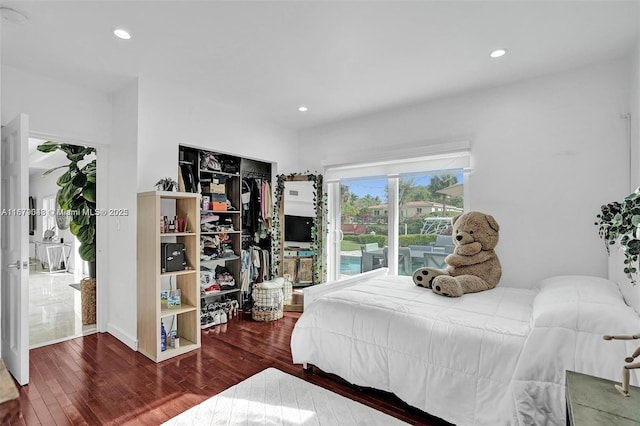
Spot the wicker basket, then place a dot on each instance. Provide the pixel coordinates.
(88, 300)
(287, 289)
(267, 300)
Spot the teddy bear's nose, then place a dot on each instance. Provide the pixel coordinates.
(459, 237)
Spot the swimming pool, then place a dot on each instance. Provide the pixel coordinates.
(350, 265)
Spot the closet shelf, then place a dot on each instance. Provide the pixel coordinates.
(219, 293)
(220, 211)
(183, 272)
(177, 234)
(217, 261)
(214, 172)
(177, 311)
(219, 232)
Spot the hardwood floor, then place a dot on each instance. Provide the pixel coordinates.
(97, 380)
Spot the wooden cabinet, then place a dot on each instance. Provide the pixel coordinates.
(305, 270)
(290, 267)
(298, 263)
(152, 281)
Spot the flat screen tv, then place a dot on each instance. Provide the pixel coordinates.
(298, 228)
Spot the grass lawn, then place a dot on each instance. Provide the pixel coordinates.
(349, 246)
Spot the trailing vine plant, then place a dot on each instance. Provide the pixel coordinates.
(619, 223)
(317, 230)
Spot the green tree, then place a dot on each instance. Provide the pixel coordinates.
(367, 201)
(440, 182)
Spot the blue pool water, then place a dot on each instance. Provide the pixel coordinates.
(349, 265)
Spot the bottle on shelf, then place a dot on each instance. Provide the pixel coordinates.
(163, 337)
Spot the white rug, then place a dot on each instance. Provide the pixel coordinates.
(272, 397)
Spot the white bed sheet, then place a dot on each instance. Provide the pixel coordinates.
(496, 357)
(451, 357)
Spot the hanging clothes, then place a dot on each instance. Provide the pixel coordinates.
(267, 205)
(245, 271)
(251, 213)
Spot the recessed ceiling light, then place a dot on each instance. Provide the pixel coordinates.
(498, 53)
(303, 108)
(123, 34)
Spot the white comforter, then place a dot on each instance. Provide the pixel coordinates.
(479, 359)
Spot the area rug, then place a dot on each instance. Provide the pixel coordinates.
(272, 397)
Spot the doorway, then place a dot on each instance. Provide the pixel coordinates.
(56, 270)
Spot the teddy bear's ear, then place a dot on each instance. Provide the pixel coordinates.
(492, 222)
(454, 219)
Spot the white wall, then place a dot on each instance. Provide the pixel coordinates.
(169, 117)
(56, 108)
(121, 230)
(546, 153)
(300, 203)
(634, 95)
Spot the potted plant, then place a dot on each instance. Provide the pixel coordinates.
(619, 222)
(166, 184)
(77, 196)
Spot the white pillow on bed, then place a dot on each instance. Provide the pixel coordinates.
(583, 303)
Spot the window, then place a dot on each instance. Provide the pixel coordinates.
(394, 211)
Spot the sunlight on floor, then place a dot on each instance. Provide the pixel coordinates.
(54, 309)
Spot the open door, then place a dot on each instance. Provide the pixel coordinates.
(14, 195)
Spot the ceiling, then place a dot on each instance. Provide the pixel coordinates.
(341, 59)
(40, 161)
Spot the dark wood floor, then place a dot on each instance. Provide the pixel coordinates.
(97, 380)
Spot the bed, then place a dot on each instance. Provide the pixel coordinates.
(494, 357)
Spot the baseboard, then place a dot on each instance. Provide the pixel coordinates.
(122, 336)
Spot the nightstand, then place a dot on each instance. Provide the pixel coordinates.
(594, 401)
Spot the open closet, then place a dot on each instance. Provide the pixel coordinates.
(235, 227)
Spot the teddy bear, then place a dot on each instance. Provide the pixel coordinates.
(473, 266)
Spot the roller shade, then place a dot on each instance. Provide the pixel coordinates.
(433, 158)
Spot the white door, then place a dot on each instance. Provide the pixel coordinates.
(14, 195)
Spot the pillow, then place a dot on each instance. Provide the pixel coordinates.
(582, 303)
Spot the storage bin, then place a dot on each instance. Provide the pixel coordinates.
(268, 300)
(218, 188)
(218, 206)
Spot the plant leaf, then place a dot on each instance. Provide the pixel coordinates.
(80, 180)
(54, 169)
(89, 192)
(48, 146)
(86, 234)
(65, 178)
(87, 252)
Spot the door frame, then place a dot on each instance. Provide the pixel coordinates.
(102, 274)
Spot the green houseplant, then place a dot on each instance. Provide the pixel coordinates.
(618, 222)
(77, 195)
